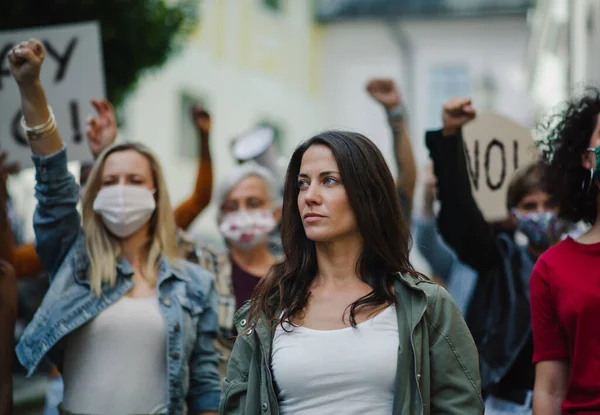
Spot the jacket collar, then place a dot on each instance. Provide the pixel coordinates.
(263, 328)
(166, 270)
(405, 279)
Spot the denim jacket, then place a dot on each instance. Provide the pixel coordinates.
(186, 292)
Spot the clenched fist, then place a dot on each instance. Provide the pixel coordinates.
(201, 119)
(26, 61)
(384, 91)
(456, 113)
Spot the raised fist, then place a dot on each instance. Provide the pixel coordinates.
(25, 61)
(456, 113)
(201, 119)
(102, 129)
(384, 91)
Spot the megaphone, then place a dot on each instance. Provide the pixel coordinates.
(258, 145)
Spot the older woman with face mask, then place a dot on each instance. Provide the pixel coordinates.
(249, 210)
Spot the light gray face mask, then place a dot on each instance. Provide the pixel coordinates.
(246, 229)
(124, 208)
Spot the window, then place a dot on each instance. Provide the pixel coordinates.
(445, 81)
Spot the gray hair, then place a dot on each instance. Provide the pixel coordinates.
(239, 173)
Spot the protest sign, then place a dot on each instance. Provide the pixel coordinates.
(495, 147)
(72, 73)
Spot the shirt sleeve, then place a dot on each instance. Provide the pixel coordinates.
(549, 342)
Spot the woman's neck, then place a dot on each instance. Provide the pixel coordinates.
(593, 233)
(132, 247)
(337, 260)
(255, 256)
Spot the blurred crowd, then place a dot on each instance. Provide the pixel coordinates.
(519, 333)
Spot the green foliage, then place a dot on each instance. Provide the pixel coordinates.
(136, 34)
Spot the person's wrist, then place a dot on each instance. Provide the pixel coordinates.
(202, 134)
(449, 131)
(394, 109)
(427, 210)
(28, 86)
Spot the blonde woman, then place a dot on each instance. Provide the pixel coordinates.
(129, 325)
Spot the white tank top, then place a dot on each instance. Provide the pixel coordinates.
(117, 363)
(346, 371)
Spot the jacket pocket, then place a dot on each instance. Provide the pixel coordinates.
(233, 398)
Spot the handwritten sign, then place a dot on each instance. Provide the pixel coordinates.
(72, 73)
(495, 147)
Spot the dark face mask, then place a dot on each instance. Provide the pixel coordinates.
(542, 229)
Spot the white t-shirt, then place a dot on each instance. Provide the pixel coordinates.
(345, 371)
(117, 363)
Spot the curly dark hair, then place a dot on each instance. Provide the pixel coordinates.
(566, 136)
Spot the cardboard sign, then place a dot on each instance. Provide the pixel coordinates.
(72, 73)
(495, 147)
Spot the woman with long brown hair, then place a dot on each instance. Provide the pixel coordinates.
(344, 324)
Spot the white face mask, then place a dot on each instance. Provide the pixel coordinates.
(247, 228)
(124, 208)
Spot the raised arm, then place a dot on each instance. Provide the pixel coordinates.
(7, 245)
(427, 238)
(56, 220)
(460, 221)
(386, 93)
(190, 208)
(23, 258)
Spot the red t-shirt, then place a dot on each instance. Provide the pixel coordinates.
(565, 314)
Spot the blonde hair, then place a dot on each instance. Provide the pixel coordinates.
(103, 248)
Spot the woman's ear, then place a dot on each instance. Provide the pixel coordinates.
(587, 161)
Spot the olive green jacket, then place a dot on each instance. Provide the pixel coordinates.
(438, 364)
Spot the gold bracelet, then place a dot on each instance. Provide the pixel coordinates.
(42, 128)
(42, 135)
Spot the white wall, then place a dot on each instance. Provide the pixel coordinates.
(353, 53)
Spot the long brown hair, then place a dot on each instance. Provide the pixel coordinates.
(375, 202)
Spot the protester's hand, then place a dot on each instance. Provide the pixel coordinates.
(201, 119)
(6, 169)
(384, 91)
(25, 61)
(102, 129)
(457, 112)
(430, 187)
